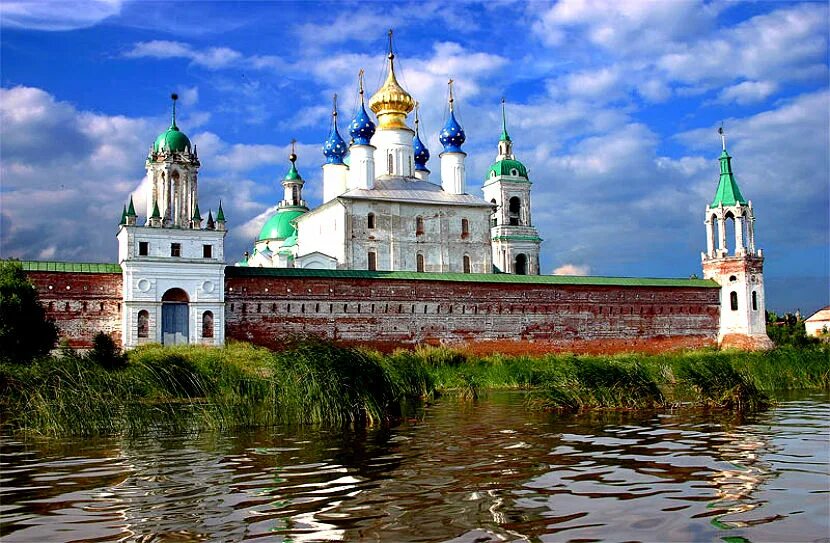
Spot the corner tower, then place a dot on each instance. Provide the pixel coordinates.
(173, 268)
(740, 272)
(515, 241)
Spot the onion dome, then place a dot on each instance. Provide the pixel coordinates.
(452, 136)
(334, 148)
(280, 226)
(172, 140)
(361, 129)
(418, 147)
(391, 103)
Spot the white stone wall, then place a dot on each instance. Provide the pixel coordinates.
(394, 143)
(323, 230)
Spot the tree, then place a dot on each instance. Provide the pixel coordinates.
(106, 353)
(25, 331)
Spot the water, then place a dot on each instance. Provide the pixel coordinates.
(459, 472)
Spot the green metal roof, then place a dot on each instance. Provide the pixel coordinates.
(506, 167)
(171, 140)
(728, 193)
(502, 278)
(293, 174)
(73, 267)
(279, 225)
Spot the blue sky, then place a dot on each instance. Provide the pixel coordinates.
(613, 106)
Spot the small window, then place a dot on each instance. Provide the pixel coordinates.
(389, 163)
(295, 195)
(370, 219)
(373, 261)
(755, 300)
(467, 266)
(207, 324)
(143, 323)
(143, 248)
(419, 262)
(465, 228)
(419, 226)
(733, 300)
(207, 251)
(514, 172)
(175, 249)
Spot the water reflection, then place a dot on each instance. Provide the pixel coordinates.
(489, 472)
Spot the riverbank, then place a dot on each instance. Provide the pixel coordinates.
(312, 382)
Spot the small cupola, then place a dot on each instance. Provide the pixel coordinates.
(172, 140)
(334, 149)
(452, 136)
(361, 129)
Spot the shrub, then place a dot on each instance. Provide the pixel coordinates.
(106, 353)
(25, 332)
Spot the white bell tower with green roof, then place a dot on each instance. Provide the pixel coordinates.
(739, 270)
(173, 267)
(515, 241)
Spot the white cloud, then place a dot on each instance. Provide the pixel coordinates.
(572, 269)
(57, 15)
(747, 92)
(213, 58)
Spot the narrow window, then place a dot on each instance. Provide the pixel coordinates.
(733, 300)
(467, 264)
(373, 261)
(754, 300)
(389, 163)
(514, 210)
(143, 323)
(295, 195)
(143, 248)
(175, 249)
(419, 226)
(371, 220)
(465, 228)
(419, 262)
(207, 251)
(207, 324)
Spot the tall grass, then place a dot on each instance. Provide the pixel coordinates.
(313, 382)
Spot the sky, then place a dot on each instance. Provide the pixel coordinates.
(613, 107)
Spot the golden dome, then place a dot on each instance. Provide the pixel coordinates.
(391, 103)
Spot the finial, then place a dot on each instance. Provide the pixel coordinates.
(417, 117)
(334, 106)
(293, 156)
(175, 97)
(391, 55)
(722, 136)
(360, 84)
(450, 82)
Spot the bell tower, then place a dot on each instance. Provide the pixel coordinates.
(732, 260)
(515, 240)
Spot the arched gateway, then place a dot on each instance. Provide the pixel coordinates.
(174, 317)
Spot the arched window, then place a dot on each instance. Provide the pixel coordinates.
(371, 220)
(520, 267)
(467, 266)
(389, 164)
(755, 300)
(513, 211)
(733, 300)
(295, 195)
(419, 226)
(143, 323)
(465, 228)
(419, 262)
(494, 221)
(207, 324)
(373, 261)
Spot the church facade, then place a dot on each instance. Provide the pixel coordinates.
(395, 255)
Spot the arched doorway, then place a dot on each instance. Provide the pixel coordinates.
(521, 265)
(174, 317)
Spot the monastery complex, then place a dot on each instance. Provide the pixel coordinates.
(395, 255)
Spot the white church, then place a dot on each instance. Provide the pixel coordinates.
(383, 209)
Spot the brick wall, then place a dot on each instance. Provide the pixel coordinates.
(82, 304)
(387, 313)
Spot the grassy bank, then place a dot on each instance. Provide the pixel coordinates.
(314, 382)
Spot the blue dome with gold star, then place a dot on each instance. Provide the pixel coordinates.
(361, 129)
(452, 136)
(334, 148)
(421, 153)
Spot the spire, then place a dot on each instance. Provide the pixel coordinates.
(391, 103)
(210, 225)
(175, 97)
(452, 135)
(196, 215)
(361, 129)
(123, 216)
(418, 147)
(156, 213)
(220, 214)
(131, 208)
(728, 193)
(504, 135)
(334, 148)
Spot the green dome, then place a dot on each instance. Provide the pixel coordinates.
(510, 167)
(172, 140)
(279, 226)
